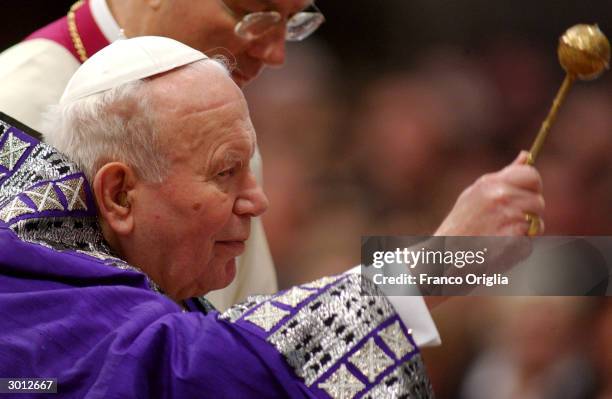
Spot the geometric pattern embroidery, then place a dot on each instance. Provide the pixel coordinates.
(267, 316)
(45, 198)
(294, 296)
(409, 380)
(236, 312)
(329, 326)
(371, 360)
(74, 192)
(14, 209)
(394, 338)
(342, 384)
(12, 151)
(334, 322)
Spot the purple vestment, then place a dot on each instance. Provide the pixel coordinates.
(71, 310)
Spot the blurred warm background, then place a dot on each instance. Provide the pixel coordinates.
(377, 123)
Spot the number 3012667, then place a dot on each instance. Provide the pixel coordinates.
(29, 385)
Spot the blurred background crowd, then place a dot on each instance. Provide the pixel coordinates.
(377, 123)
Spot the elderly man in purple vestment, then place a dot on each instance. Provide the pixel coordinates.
(252, 33)
(35, 72)
(108, 241)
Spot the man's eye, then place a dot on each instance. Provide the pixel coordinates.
(226, 173)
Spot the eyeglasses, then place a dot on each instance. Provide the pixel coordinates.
(257, 24)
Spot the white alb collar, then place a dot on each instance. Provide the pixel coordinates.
(105, 20)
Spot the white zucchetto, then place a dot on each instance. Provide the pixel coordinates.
(125, 61)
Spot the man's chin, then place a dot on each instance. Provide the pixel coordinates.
(230, 272)
(224, 274)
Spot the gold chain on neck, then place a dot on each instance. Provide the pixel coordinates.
(74, 32)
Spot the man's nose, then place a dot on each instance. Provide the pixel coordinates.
(252, 201)
(270, 49)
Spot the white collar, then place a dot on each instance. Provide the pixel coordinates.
(105, 20)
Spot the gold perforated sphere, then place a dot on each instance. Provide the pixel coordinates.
(584, 51)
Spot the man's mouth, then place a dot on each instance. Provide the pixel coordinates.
(233, 246)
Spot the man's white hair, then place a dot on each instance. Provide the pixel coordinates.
(116, 125)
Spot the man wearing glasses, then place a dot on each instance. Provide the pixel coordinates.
(249, 34)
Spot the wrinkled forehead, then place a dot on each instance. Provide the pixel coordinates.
(200, 85)
(217, 134)
(190, 103)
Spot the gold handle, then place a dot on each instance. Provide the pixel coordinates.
(534, 220)
(584, 52)
(550, 118)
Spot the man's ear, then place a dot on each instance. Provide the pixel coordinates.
(112, 186)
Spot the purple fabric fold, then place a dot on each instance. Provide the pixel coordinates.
(103, 334)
